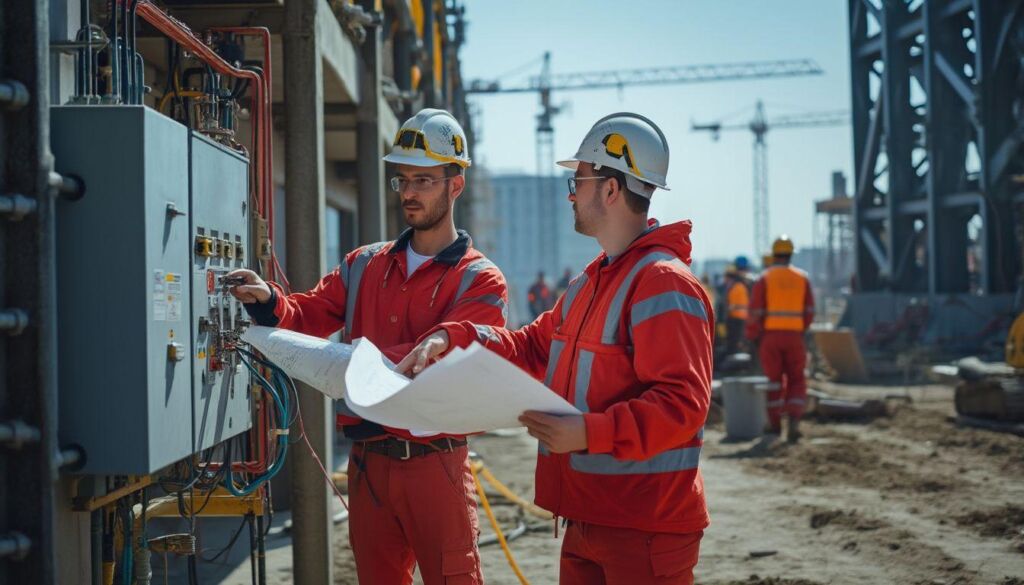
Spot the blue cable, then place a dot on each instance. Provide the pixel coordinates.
(283, 411)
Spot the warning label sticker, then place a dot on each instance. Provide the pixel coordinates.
(166, 296)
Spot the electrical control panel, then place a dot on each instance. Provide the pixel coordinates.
(220, 243)
(123, 269)
(147, 375)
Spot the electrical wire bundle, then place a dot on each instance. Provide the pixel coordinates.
(280, 390)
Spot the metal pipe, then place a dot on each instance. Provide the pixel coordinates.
(96, 546)
(15, 433)
(261, 550)
(13, 95)
(114, 88)
(17, 206)
(14, 545)
(67, 187)
(427, 79)
(252, 546)
(13, 321)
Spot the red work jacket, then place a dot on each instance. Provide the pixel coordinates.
(629, 344)
(370, 295)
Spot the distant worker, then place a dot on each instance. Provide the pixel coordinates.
(411, 496)
(737, 300)
(630, 345)
(781, 310)
(539, 296)
(563, 283)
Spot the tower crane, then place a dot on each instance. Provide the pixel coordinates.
(545, 83)
(759, 126)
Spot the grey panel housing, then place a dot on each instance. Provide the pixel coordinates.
(123, 304)
(220, 194)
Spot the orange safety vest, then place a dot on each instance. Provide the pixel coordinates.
(785, 292)
(739, 301)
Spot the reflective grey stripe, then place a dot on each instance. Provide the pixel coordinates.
(341, 408)
(784, 314)
(583, 368)
(472, 269)
(354, 277)
(663, 303)
(493, 300)
(484, 334)
(682, 459)
(553, 354)
(795, 401)
(611, 324)
(775, 403)
(343, 269)
(571, 292)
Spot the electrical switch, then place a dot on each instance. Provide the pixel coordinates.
(204, 247)
(175, 352)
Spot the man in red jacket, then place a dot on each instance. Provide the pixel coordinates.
(411, 497)
(629, 344)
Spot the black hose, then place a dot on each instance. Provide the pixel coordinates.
(115, 54)
(84, 66)
(133, 55)
(122, 54)
(96, 545)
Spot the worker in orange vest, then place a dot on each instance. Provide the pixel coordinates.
(781, 310)
(737, 304)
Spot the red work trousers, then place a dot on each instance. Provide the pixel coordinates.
(418, 511)
(601, 555)
(783, 358)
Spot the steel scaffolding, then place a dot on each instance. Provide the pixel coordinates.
(938, 119)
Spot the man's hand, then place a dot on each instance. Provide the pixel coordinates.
(559, 434)
(422, 354)
(254, 289)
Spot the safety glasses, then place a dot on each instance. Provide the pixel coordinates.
(417, 185)
(573, 180)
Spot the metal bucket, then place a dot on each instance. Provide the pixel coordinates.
(746, 407)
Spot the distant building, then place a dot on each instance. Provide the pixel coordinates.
(533, 231)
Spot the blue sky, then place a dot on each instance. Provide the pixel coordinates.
(711, 181)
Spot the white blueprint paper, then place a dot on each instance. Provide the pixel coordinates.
(468, 391)
(315, 361)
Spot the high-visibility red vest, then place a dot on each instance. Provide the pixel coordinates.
(785, 302)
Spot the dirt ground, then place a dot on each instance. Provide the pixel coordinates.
(907, 499)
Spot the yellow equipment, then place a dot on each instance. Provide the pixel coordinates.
(1015, 343)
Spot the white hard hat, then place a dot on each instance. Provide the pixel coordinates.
(629, 143)
(431, 138)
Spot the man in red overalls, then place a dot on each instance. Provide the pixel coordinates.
(411, 497)
(781, 310)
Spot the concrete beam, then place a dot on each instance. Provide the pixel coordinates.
(341, 57)
(305, 219)
(369, 147)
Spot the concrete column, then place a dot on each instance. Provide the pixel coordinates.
(304, 223)
(369, 150)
